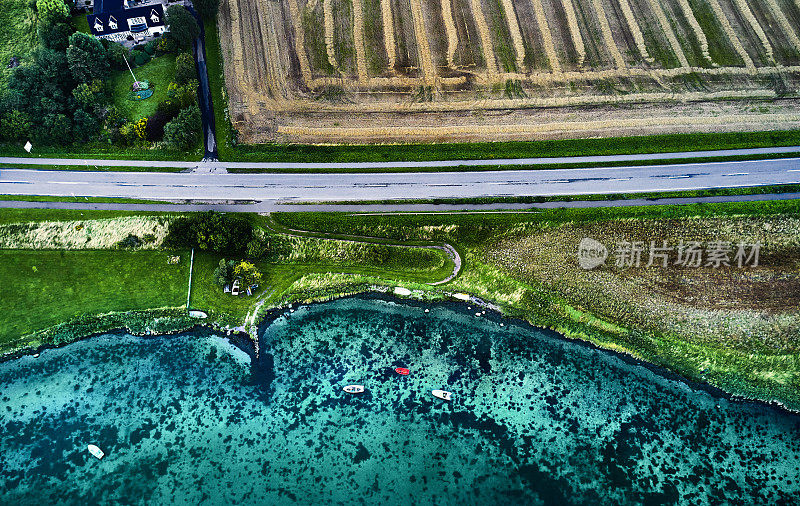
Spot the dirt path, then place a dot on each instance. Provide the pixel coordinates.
(448, 249)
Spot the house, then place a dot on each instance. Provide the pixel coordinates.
(120, 21)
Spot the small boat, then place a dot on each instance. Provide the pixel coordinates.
(443, 394)
(402, 371)
(97, 452)
(354, 389)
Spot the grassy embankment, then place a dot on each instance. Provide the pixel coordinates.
(79, 200)
(75, 285)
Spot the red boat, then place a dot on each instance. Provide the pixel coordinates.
(402, 371)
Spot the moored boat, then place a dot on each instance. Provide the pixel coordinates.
(443, 394)
(96, 451)
(402, 371)
(354, 389)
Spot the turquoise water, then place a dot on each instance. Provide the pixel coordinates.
(535, 420)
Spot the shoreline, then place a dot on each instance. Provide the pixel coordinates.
(250, 344)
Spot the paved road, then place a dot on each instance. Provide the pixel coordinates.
(365, 186)
(206, 166)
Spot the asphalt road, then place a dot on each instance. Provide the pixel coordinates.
(355, 186)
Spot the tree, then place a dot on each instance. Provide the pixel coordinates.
(15, 125)
(206, 8)
(185, 70)
(87, 58)
(55, 35)
(183, 132)
(223, 274)
(247, 272)
(52, 11)
(182, 26)
(86, 125)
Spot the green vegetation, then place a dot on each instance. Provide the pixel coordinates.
(666, 143)
(81, 23)
(44, 288)
(90, 200)
(159, 72)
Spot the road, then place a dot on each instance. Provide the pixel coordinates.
(369, 186)
(217, 166)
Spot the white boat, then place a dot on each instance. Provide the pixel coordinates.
(97, 452)
(443, 394)
(354, 389)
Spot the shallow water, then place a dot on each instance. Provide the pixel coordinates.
(535, 420)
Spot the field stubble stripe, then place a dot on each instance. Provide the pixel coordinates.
(452, 33)
(516, 35)
(423, 47)
(791, 32)
(655, 6)
(300, 42)
(547, 36)
(756, 26)
(486, 37)
(731, 33)
(688, 13)
(327, 9)
(608, 36)
(633, 25)
(388, 33)
(575, 31)
(358, 41)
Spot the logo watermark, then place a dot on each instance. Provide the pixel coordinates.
(692, 254)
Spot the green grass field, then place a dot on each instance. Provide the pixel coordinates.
(39, 289)
(159, 72)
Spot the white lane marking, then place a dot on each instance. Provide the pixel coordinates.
(679, 177)
(793, 170)
(736, 174)
(67, 182)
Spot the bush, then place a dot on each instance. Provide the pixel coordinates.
(247, 273)
(185, 70)
(183, 132)
(140, 57)
(221, 233)
(132, 241)
(150, 47)
(223, 274)
(167, 44)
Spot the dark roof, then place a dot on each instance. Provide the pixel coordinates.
(123, 15)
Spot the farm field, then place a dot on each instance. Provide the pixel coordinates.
(370, 71)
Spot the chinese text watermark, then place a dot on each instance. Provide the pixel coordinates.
(713, 254)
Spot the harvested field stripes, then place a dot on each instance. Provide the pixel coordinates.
(666, 27)
(744, 9)
(731, 34)
(547, 36)
(531, 129)
(300, 41)
(327, 8)
(452, 33)
(633, 26)
(516, 35)
(425, 57)
(358, 36)
(486, 37)
(388, 33)
(574, 30)
(790, 31)
(608, 35)
(686, 9)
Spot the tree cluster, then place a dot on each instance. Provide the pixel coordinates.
(61, 94)
(229, 270)
(210, 231)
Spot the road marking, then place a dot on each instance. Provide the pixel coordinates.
(679, 177)
(793, 170)
(736, 174)
(67, 182)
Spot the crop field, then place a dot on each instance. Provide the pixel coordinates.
(366, 71)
